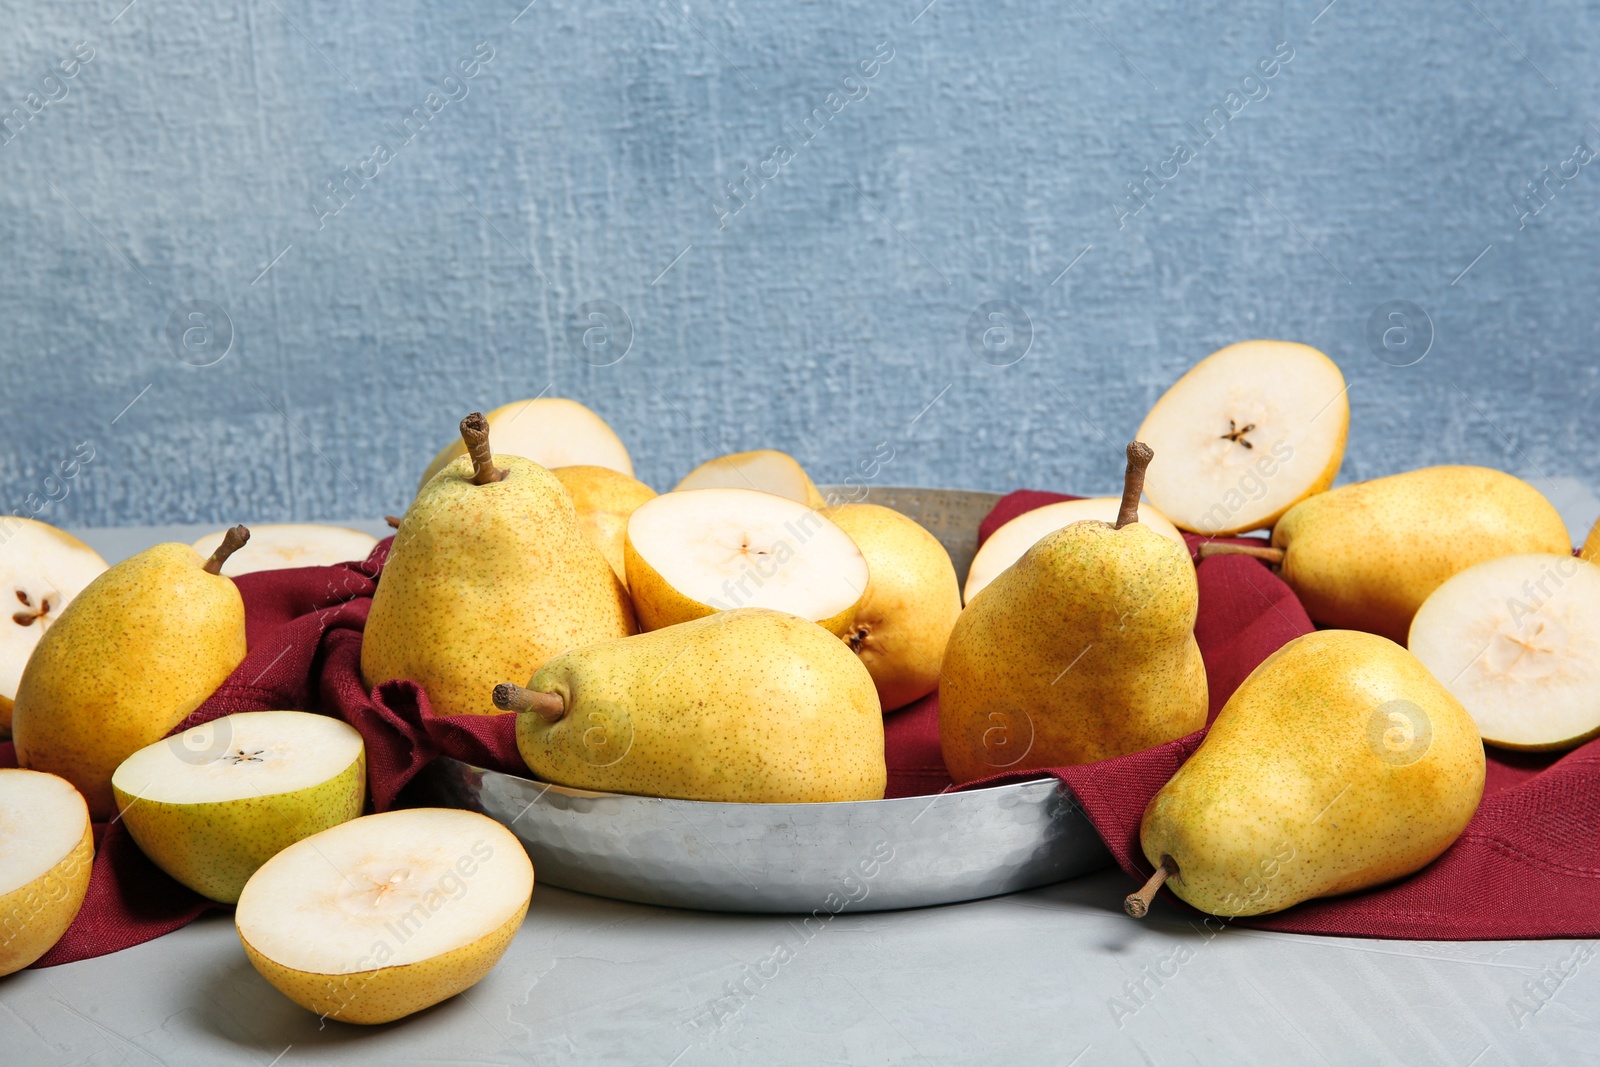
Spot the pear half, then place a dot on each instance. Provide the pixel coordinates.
(694, 552)
(42, 569)
(46, 852)
(604, 499)
(765, 469)
(388, 914)
(1517, 641)
(1248, 432)
(210, 805)
(1006, 545)
(551, 431)
(279, 546)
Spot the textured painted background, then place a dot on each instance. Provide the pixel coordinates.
(590, 158)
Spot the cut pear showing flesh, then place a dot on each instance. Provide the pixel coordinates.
(41, 570)
(46, 851)
(694, 552)
(210, 805)
(388, 914)
(279, 546)
(766, 469)
(1517, 640)
(1250, 431)
(551, 431)
(1006, 545)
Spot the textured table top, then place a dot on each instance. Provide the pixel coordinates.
(1057, 975)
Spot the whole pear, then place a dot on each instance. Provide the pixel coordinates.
(1591, 544)
(1365, 556)
(1081, 650)
(604, 499)
(489, 577)
(745, 706)
(912, 599)
(1339, 763)
(139, 649)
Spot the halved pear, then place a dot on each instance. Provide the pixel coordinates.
(551, 431)
(604, 499)
(765, 469)
(41, 570)
(46, 851)
(210, 805)
(694, 552)
(1517, 640)
(1250, 431)
(279, 546)
(388, 914)
(1006, 545)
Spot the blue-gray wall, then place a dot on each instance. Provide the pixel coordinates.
(590, 158)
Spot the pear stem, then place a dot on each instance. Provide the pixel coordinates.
(232, 541)
(1139, 457)
(475, 433)
(508, 696)
(1138, 904)
(393, 521)
(1272, 556)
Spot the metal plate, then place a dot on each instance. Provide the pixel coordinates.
(796, 858)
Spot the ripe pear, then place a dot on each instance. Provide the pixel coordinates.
(1365, 556)
(766, 470)
(745, 706)
(279, 546)
(138, 650)
(1082, 650)
(1591, 544)
(604, 499)
(210, 805)
(1339, 764)
(489, 577)
(46, 853)
(551, 431)
(44, 569)
(912, 599)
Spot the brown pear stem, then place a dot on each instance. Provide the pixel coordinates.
(1139, 457)
(393, 521)
(232, 541)
(1266, 554)
(1138, 904)
(508, 696)
(475, 433)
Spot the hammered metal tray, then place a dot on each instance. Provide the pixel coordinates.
(873, 855)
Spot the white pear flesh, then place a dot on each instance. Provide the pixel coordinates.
(767, 470)
(279, 546)
(551, 431)
(1248, 432)
(41, 570)
(1006, 545)
(387, 914)
(1517, 641)
(693, 552)
(46, 851)
(210, 805)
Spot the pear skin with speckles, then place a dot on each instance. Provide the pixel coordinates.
(486, 583)
(1340, 763)
(133, 654)
(745, 706)
(1591, 544)
(1080, 651)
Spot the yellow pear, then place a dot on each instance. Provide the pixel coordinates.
(551, 431)
(1081, 650)
(1365, 556)
(138, 650)
(279, 546)
(766, 470)
(1340, 763)
(604, 499)
(1591, 544)
(489, 577)
(745, 706)
(46, 853)
(903, 622)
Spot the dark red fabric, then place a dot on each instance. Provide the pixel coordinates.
(1527, 866)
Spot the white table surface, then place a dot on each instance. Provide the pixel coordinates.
(1042, 977)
